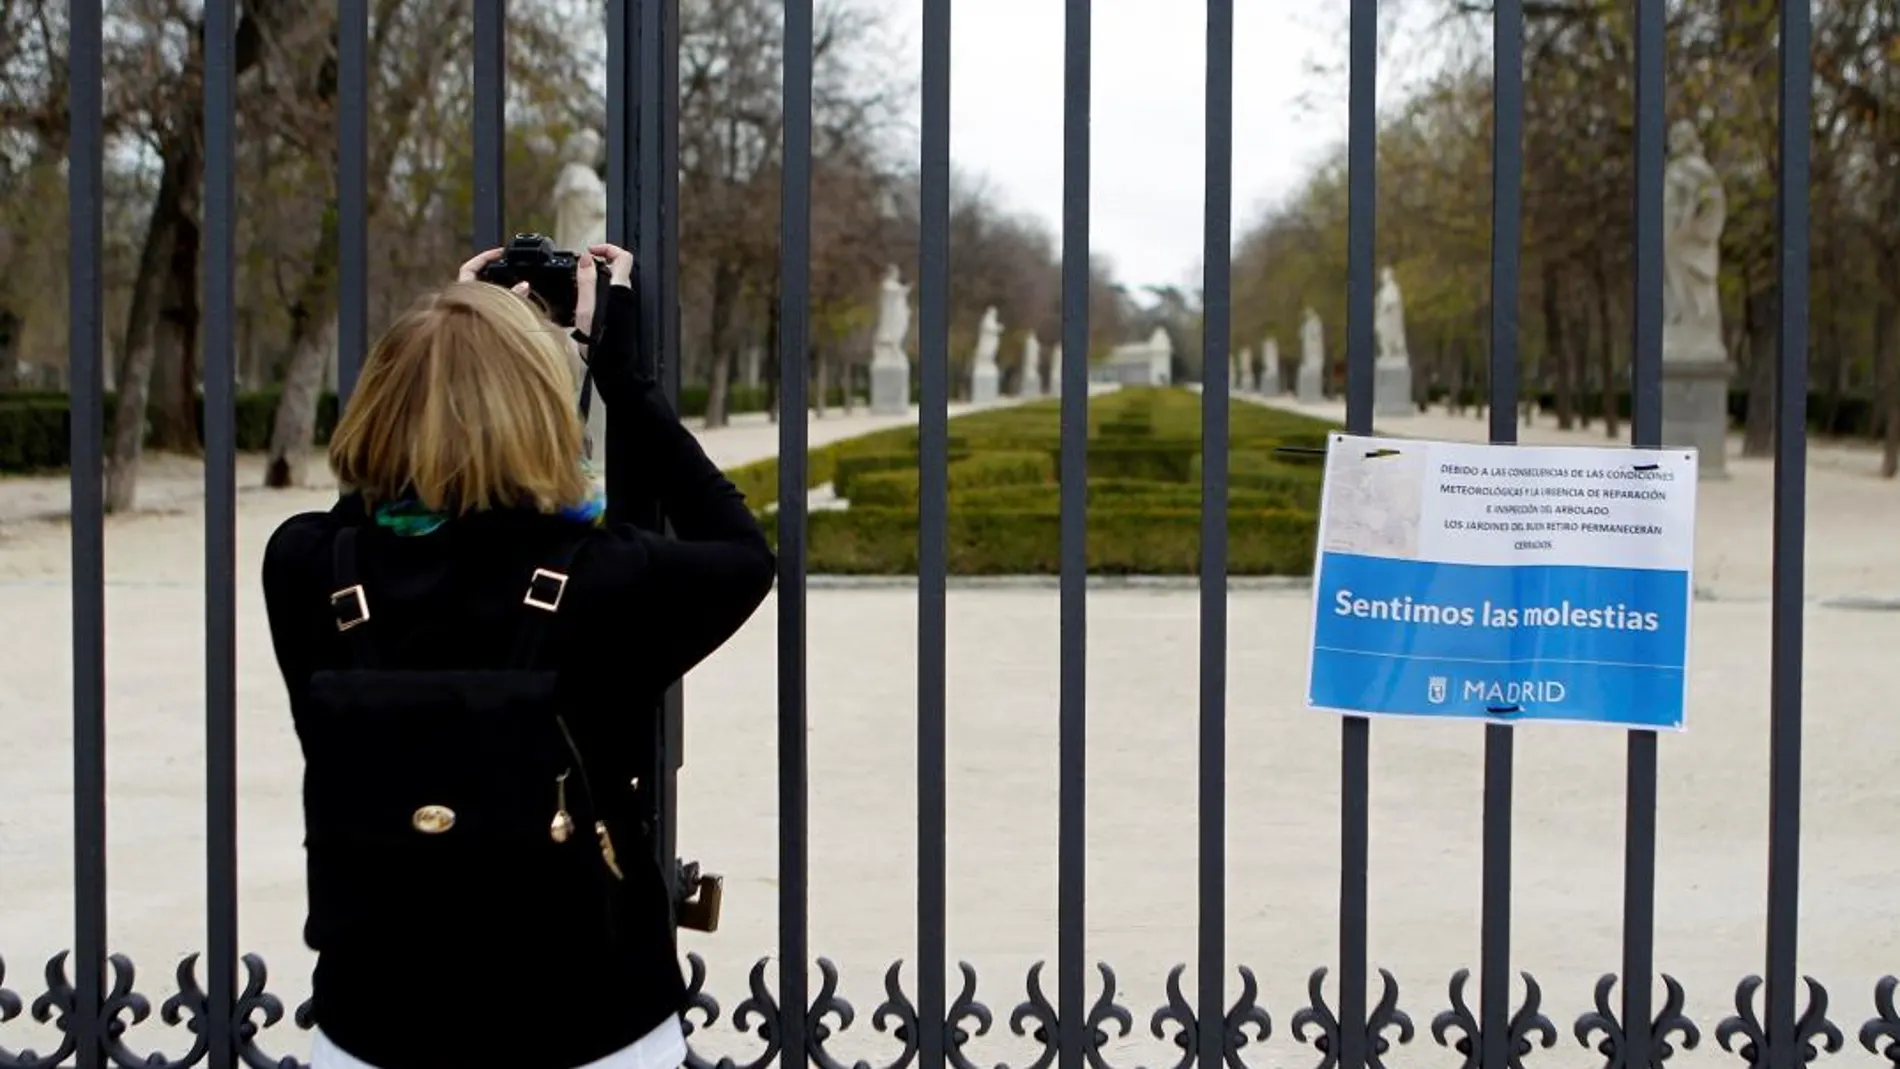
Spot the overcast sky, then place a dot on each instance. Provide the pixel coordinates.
(1149, 89)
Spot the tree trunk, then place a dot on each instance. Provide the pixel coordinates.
(820, 381)
(1608, 395)
(1758, 311)
(174, 403)
(1452, 365)
(725, 303)
(312, 339)
(1834, 360)
(1558, 348)
(294, 429)
(138, 353)
(1887, 362)
(1887, 376)
(11, 330)
(719, 388)
(771, 369)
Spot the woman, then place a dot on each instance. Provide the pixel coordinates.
(483, 889)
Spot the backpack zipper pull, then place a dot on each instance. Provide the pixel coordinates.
(562, 826)
(607, 849)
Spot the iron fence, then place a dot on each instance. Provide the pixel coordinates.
(220, 1005)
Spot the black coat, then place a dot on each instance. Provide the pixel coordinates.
(641, 611)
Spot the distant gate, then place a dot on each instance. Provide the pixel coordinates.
(225, 1006)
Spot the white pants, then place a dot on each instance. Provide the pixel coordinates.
(662, 1048)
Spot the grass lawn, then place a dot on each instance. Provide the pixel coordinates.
(1144, 491)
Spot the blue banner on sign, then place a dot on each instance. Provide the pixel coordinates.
(1523, 642)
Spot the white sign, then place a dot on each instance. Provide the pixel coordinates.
(1504, 583)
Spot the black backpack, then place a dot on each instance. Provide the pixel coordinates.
(445, 805)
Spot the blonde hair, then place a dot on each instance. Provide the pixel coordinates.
(467, 403)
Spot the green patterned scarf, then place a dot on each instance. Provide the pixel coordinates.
(408, 517)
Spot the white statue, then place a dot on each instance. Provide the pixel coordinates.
(893, 320)
(989, 335)
(984, 376)
(1160, 357)
(1694, 211)
(1310, 381)
(1029, 384)
(1312, 341)
(1694, 356)
(1052, 379)
(1388, 322)
(580, 197)
(1269, 380)
(890, 368)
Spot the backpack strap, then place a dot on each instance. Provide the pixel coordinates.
(348, 602)
(546, 589)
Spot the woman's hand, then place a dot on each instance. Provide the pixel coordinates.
(619, 263)
(586, 277)
(470, 271)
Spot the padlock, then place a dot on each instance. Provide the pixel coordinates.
(700, 898)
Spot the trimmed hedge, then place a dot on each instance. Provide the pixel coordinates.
(1118, 494)
(852, 467)
(1261, 472)
(883, 541)
(899, 488)
(1144, 494)
(36, 428)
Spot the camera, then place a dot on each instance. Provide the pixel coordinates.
(549, 273)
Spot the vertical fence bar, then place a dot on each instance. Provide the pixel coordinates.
(673, 703)
(1071, 850)
(1361, 214)
(649, 37)
(1217, 304)
(491, 17)
(1355, 778)
(1639, 828)
(220, 418)
(933, 506)
(793, 436)
(352, 180)
(1507, 180)
(643, 172)
(669, 229)
(352, 193)
(85, 159)
(657, 251)
(622, 141)
(1791, 488)
(622, 144)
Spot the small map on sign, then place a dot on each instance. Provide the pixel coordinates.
(1373, 498)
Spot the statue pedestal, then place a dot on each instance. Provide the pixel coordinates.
(1392, 389)
(983, 384)
(1310, 390)
(890, 386)
(1695, 411)
(1268, 384)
